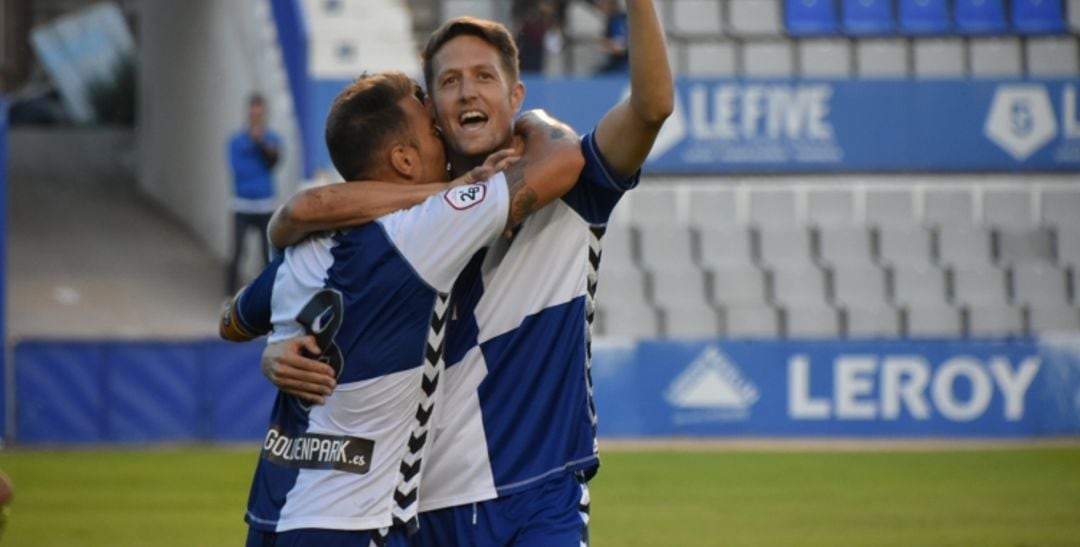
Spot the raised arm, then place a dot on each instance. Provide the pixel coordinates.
(627, 132)
(549, 167)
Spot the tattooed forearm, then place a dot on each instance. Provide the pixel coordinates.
(557, 133)
(522, 198)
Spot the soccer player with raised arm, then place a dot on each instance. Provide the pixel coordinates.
(515, 441)
(375, 297)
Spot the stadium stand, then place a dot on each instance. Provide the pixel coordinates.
(981, 16)
(964, 246)
(810, 17)
(905, 245)
(840, 38)
(696, 18)
(868, 17)
(924, 17)
(843, 247)
(831, 208)
(881, 58)
(1038, 16)
(751, 322)
(755, 17)
(824, 58)
(903, 258)
(939, 58)
(880, 250)
(785, 247)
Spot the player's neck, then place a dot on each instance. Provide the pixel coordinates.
(462, 163)
(459, 165)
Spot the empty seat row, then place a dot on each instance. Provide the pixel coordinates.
(832, 246)
(921, 17)
(1026, 285)
(757, 18)
(641, 320)
(710, 206)
(868, 58)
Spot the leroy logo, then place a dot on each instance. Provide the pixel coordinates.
(869, 387)
(712, 383)
(1021, 120)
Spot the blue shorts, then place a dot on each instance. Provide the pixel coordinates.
(317, 537)
(553, 514)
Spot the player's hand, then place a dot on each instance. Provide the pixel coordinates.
(497, 161)
(537, 125)
(284, 364)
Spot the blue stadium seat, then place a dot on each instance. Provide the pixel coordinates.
(981, 17)
(924, 17)
(866, 17)
(1038, 16)
(810, 17)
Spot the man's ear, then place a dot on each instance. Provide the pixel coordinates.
(517, 96)
(405, 160)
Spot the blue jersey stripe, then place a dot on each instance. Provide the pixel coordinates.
(534, 400)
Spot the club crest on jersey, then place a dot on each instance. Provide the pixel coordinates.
(466, 196)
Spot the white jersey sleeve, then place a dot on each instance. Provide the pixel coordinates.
(440, 235)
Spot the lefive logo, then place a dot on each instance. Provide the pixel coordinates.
(1021, 120)
(712, 382)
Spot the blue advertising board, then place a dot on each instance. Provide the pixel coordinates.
(757, 126)
(885, 388)
(138, 392)
(724, 126)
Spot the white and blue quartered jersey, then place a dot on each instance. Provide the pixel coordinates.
(375, 297)
(517, 407)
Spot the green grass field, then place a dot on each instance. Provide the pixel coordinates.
(195, 497)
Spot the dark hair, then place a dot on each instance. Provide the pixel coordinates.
(491, 32)
(365, 118)
(256, 99)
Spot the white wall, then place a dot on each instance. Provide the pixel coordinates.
(199, 59)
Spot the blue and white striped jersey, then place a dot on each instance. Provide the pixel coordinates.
(375, 296)
(518, 402)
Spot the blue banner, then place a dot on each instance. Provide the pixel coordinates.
(890, 388)
(137, 392)
(766, 126)
(723, 126)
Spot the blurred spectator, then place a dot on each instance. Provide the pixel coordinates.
(253, 153)
(538, 28)
(615, 35)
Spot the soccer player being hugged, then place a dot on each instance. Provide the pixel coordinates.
(375, 297)
(515, 439)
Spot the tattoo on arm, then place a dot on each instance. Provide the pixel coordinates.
(557, 133)
(522, 198)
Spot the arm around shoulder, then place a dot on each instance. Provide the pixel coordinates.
(342, 205)
(549, 168)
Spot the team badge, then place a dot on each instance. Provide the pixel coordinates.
(463, 197)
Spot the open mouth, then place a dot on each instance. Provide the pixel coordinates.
(472, 120)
